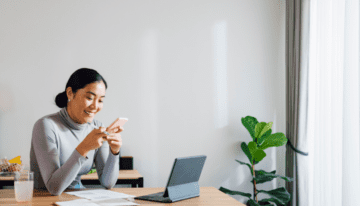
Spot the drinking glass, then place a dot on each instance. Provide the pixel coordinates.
(24, 186)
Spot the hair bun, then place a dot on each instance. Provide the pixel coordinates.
(61, 99)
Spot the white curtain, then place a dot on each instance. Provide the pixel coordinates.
(333, 104)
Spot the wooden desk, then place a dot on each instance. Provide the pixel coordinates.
(208, 196)
(132, 177)
(125, 177)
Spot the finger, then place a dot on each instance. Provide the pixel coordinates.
(102, 133)
(114, 141)
(99, 130)
(102, 129)
(117, 129)
(115, 144)
(114, 137)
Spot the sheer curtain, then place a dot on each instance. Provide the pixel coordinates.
(333, 104)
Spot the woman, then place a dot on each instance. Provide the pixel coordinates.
(65, 144)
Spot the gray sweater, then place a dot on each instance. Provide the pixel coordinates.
(56, 163)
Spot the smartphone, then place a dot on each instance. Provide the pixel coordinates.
(119, 122)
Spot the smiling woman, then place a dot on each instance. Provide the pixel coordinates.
(64, 145)
(83, 96)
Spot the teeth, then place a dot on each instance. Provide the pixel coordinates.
(88, 112)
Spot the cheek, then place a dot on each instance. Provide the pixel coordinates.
(86, 103)
(100, 107)
(79, 104)
(82, 105)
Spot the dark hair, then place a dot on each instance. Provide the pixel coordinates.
(78, 80)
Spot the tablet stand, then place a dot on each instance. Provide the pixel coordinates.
(183, 191)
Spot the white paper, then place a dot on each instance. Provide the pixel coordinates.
(99, 194)
(114, 202)
(77, 202)
(85, 202)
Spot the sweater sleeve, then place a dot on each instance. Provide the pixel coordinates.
(56, 178)
(107, 166)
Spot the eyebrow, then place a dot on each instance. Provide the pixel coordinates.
(94, 94)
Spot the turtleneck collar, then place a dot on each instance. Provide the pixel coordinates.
(65, 116)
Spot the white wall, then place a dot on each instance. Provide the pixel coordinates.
(183, 72)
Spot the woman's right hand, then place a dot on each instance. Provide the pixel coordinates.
(92, 141)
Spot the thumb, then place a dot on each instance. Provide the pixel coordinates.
(102, 129)
(102, 132)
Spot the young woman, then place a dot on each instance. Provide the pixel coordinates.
(65, 144)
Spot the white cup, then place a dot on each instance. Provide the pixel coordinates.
(24, 186)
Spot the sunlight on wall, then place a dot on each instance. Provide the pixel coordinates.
(220, 75)
(148, 80)
(149, 101)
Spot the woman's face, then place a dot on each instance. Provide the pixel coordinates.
(86, 102)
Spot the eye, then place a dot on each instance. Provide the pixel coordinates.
(89, 98)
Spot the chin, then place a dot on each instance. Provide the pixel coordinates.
(87, 119)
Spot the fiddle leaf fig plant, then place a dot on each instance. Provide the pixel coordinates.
(262, 138)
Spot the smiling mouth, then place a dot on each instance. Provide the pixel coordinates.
(90, 113)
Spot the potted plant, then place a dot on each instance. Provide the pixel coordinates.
(262, 138)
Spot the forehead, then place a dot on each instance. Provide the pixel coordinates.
(98, 88)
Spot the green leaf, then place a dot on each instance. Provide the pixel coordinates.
(249, 123)
(266, 128)
(256, 153)
(265, 203)
(231, 192)
(246, 150)
(279, 196)
(261, 128)
(263, 137)
(258, 128)
(92, 171)
(243, 163)
(274, 200)
(274, 140)
(252, 147)
(262, 176)
(252, 202)
(259, 155)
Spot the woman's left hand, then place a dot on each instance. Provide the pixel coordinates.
(114, 139)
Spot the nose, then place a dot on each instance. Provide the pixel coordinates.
(94, 105)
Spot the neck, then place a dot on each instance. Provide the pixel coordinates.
(71, 115)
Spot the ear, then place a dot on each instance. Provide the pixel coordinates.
(69, 93)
